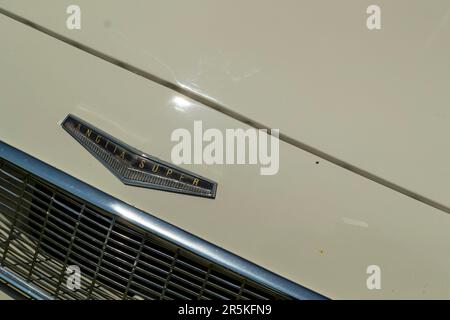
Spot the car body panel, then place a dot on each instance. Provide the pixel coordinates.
(4, 296)
(377, 100)
(314, 223)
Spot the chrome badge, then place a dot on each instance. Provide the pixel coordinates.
(134, 167)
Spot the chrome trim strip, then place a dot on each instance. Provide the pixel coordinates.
(156, 226)
(23, 286)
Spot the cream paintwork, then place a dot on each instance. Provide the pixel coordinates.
(318, 225)
(377, 100)
(4, 296)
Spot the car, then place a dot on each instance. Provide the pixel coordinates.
(224, 150)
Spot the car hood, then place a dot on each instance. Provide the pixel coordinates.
(375, 102)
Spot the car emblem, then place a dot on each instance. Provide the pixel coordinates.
(134, 167)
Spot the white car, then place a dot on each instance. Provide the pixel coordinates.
(101, 197)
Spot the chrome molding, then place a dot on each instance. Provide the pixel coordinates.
(156, 226)
(23, 286)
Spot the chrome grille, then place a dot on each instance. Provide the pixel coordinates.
(43, 230)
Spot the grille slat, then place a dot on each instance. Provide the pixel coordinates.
(43, 230)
